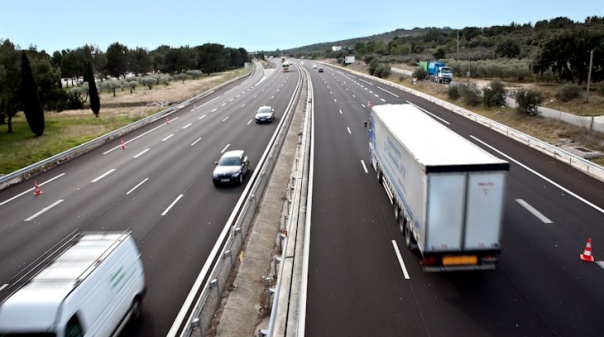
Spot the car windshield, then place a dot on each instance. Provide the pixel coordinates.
(264, 110)
(229, 161)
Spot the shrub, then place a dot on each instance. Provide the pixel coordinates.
(454, 91)
(470, 94)
(600, 90)
(382, 70)
(568, 92)
(494, 94)
(373, 66)
(528, 101)
(420, 74)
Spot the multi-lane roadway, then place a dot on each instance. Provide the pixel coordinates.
(160, 187)
(358, 286)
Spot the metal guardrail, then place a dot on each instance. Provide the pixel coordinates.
(41, 166)
(280, 293)
(560, 154)
(219, 265)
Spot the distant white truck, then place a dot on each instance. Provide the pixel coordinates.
(447, 193)
(93, 287)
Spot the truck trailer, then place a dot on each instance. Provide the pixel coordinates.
(437, 71)
(92, 284)
(447, 193)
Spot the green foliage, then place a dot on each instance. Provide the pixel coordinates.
(93, 93)
(149, 81)
(29, 97)
(368, 58)
(420, 74)
(470, 93)
(600, 90)
(373, 66)
(454, 91)
(528, 101)
(440, 53)
(507, 48)
(382, 70)
(568, 55)
(494, 95)
(74, 100)
(567, 92)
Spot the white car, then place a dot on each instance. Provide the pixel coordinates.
(314, 66)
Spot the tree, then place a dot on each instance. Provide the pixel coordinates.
(140, 62)
(93, 93)
(440, 53)
(507, 48)
(10, 78)
(494, 94)
(528, 101)
(567, 55)
(29, 97)
(211, 57)
(117, 60)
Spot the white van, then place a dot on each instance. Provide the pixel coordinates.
(91, 289)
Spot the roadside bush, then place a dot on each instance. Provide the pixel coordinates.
(600, 90)
(368, 58)
(568, 92)
(494, 94)
(454, 91)
(373, 66)
(470, 94)
(528, 101)
(382, 70)
(420, 74)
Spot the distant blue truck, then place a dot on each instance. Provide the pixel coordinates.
(437, 71)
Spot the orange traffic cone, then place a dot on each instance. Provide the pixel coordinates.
(586, 256)
(122, 145)
(167, 121)
(37, 190)
(369, 104)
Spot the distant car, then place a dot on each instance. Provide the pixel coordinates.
(320, 69)
(265, 114)
(231, 168)
(314, 66)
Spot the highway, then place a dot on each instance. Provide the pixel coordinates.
(159, 186)
(357, 285)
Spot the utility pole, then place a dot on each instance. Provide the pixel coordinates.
(591, 59)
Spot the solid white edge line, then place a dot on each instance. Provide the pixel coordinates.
(400, 260)
(137, 186)
(45, 209)
(171, 205)
(103, 176)
(540, 175)
(534, 211)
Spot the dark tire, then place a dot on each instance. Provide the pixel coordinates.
(409, 240)
(136, 309)
(241, 178)
(397, 211)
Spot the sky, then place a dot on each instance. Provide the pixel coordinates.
(53, 25)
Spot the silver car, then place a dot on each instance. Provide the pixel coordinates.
(231, 168)
(265, 114)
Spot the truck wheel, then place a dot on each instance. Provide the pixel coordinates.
(401, 225)
(136, 309)
(409, 240)
(379, 176)
(397, 211)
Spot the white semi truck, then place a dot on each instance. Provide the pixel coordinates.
(447, 193)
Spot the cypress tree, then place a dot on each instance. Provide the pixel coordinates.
(30, 98)
(93, 93)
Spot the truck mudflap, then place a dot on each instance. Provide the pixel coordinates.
(469, 261)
